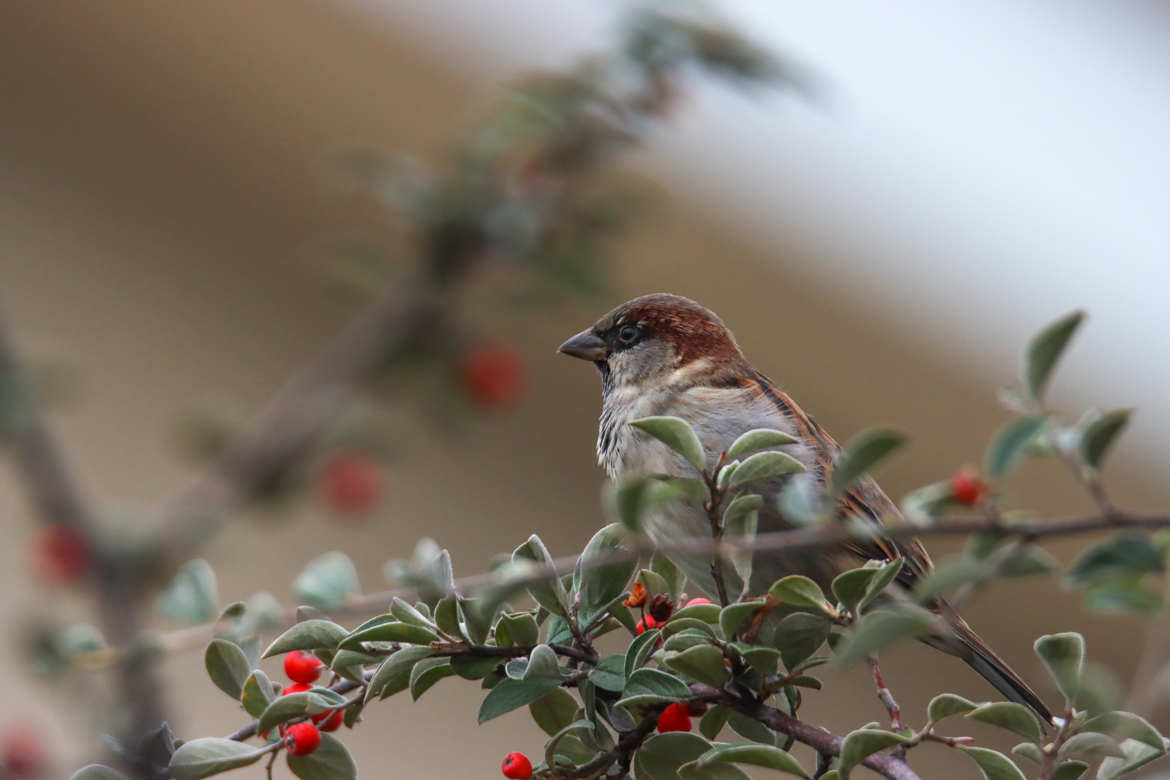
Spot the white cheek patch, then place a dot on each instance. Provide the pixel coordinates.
(683, 375)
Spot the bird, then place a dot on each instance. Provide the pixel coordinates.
(666, 355)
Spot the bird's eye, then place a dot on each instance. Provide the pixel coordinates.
(628, 334)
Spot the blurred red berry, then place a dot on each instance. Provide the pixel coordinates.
(646, 623)
(676, 717)
(352, 483)
(696, 601)
(302, 667)
(303, 739)
(516, 766)
(967, 487)
(22, 753)
(493, 375)
(295, 688)
(60, 554)
(329, 720)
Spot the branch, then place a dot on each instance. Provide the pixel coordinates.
(824, 742)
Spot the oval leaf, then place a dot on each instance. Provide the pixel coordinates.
(861, 744)
(549, 593)
(995, 765)
(1089, 746)
(849, 587)
(394, 673)
(863, 452)
(510, 694)
(294, 705)
(97, 772)
(756, 755)
(554, 711)
(1009, 715)
(661, 755)
(1064, 655)
(1010, 444)
(756, 440)
(651, 686)
(1099, 435)
(330, 761)
(1125, 725)
(226, 666)
(191, 595)
(703, 663)
(390, 632)
(598, 586)
(800, 591)
(209, 756)
(764, 465)
(947, 704)
(677, 434)
(882, 628)
(1044, 350)
(257, 693)
(327, 581)
(314, 634)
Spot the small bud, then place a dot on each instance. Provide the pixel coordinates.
(661, 608)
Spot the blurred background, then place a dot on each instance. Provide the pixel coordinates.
(171, 213)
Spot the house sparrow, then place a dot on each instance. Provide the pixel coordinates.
(664, 354)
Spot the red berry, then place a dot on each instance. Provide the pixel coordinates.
(302, 667)
(516, 766)
(303, 739)
(646, 623)
(695, 601)
(352, 483)
(676, 717)
(295, 688)
(493, 375)
(332, 720)
(60, 554)
(967, 487)
(22, 753)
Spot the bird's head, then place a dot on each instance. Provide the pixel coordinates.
(658, 340)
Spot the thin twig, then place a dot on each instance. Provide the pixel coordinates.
(884, 695)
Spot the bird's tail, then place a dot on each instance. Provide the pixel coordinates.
(966, 644)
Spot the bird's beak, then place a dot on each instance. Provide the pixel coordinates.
(585, 345)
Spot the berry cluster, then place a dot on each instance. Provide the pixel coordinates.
(301, 739)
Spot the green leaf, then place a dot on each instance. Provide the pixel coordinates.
(313, 634)
(542, 662)
(861, 744)
(408, 614)
(390, 632)
(1099, 435)
(1123, 594)
(758, 439)
(518, 628)
(1044, 350)
(1009, 715)
(863, 452)
(750, 728)
(327, 581)
(849, 587)
(763, 659)
(708, 613)
(640, 649)
(741, 527)
(1064, 655)
(191, 596)
(294, 705)
(637, 496)
(886, 574)
(565, 740)
(1125, 725)
(995, 765)
(713, 721)
(665, 568)
(1125, 553)
(799, 635)
(209, 756)
(755, 754)
(734, 617)
(1030, 751)
(692, 771)
(257, 693)
(677, 434)
(764, 465)
(554, 711)
(1089, 746)
(610, 673)
(226, 666)
(97, 772)
(651, 686)
(472, 668)
(1137, 755)
(1010, 443)
(947, 704)
(549, 593)
(1069, 770)
(426, 673)
(598, 587)
(662, 754)
(800, 591)
(510, 694)
(330, 761)
(703, 663)
(394, 673)
(882, 628)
